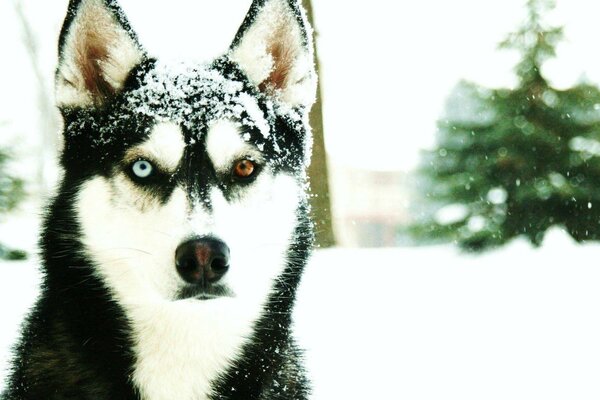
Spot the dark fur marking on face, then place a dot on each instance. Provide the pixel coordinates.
(197, 175)
(159, 184)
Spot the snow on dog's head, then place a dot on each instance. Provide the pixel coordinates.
(174, 165)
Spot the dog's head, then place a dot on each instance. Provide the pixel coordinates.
(189, 179)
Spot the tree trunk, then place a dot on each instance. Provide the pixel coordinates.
(317, 172)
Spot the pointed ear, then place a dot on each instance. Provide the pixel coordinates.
(274, 48)
(97, 51)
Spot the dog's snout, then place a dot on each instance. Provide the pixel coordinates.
(202, 260)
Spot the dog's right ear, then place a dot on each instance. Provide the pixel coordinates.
(274, 48)
(97, 51)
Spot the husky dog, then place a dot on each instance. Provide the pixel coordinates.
(173, 249)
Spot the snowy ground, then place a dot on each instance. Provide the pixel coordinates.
(429, 323)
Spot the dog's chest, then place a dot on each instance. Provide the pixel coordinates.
(182, 347)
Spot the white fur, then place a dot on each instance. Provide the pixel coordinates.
(93, 18)
(276, 23)
(224, 144)
(259, 224)
(255, 113)
(182, 345)
(165, 146)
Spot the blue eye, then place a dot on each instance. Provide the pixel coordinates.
(142, 168)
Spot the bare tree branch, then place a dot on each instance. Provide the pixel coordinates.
(48, 124)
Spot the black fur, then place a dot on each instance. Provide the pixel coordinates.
(76, 343)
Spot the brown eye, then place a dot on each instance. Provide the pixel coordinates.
(244, 169)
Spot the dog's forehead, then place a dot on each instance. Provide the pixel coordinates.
(194, 97)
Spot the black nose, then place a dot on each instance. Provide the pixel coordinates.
(202, 260)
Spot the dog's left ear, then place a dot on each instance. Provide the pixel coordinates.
(274, 48)
(97, 51)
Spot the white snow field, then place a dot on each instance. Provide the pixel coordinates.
(429, 322)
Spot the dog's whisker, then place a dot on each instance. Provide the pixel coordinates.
(112, 249)
(167, 234)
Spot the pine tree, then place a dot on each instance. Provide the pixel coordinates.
(513, 162)
(11, 192)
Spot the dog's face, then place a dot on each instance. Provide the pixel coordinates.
(188, 178)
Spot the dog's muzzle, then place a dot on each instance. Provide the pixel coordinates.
(202, 261)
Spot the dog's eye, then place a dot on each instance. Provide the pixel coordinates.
(244, 169)
(142, 168)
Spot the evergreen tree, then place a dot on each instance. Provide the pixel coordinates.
(513, 162)
(11, 192)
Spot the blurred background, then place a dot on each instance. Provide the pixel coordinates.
(455, 177)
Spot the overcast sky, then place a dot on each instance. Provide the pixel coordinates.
(387, 66)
